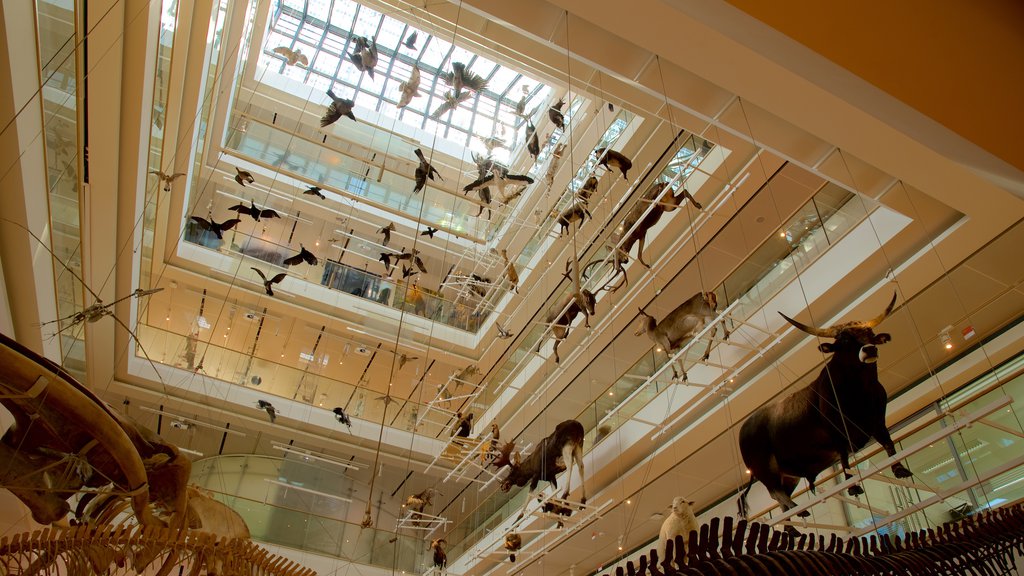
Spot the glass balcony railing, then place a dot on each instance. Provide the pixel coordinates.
(344, 278)
(806, 236)
(290, 503)
(275, 378)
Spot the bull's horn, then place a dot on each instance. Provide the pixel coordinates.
(826, 333)
(876, 321)
(642, 313)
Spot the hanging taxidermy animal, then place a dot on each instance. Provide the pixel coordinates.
(612, 159)
(555, 453)
(336, 109)
(808, 431)
(561, 315)
(577, 210)
(682, 324)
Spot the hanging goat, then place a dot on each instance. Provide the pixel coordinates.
(555, 453)
(683, 323)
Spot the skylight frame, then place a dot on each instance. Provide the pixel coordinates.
(299, 24)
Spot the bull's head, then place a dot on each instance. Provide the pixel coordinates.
(506, 457)
(851, 334)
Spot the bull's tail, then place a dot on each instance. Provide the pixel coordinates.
(741, 503)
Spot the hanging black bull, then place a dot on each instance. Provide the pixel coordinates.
(809, 430)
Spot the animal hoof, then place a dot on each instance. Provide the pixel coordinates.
(855, 490)
(901, 471)
(804, 514)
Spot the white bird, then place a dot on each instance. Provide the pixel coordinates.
(410, 88)
(294, 57)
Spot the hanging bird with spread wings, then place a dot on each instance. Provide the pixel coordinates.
(292, 57)
(414, 256)
(254, 211)
(336, 109)
(410, 88)
(423, 171)
(407, 272)
(532, 142)
(216, 228)
(429, 232)
(386, 231)
(341, 416)
(167, 178)
(503, 333)
(243, 177)
(385, 258)
(403, 358)
(365, 55)
(269, 408)
(315, 191)
(303, 256)
(492, 142)
(555, 114)
(498, 177)
(451, 102)
(460, 78)
(267, 284)
(611, 159)
(410, 40)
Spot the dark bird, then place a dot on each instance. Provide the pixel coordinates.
(414, 256)
(243, 177)
(429, 232)
(315, 191)
(214, 227)
(386, 259)
(423, 171)
(498, 177)
(269, 408)
(386, 231)
(611, 107)
(440, 558)
(410, 88)
(403, 358)
(341, 416)
(293, 57)
(532, 142)
(336, 109)
(611, 159)
(303, 256)
(503, 333)
(407, 271)
(365, 55)
(451, 102)
(556, 116)
(386, 399)
(167, 178)
(254, 211)
(267, 284)
(410, 40)
(460, 78)
(464, 426)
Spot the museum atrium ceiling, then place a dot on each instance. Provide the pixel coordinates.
(814, 194)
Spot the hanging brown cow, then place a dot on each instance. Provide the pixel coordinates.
(806, 432)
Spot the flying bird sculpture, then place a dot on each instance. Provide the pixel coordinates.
(460, 78)
(386, 231)
(341, 416)
(408, 271)
(271, 411)
(255, 211)
(365, 54)
(336, 109)
(429, 232)
(303, 256)
(450, 102)
(243, 177)
(215, 227)
(532, 142)
(503, 333)
(268, 284)
(167, 178)
(315, 191)
(292, 57)
(410, 40)
(410, 88)
(424, 171)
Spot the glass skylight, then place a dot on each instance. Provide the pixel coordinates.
(324, 29)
